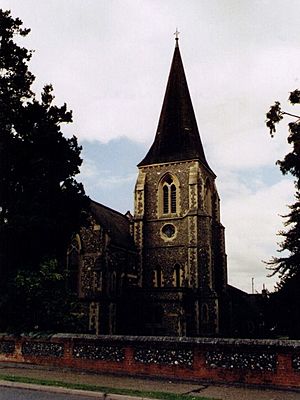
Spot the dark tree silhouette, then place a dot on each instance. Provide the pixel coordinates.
(286, 300)
(41, 203)
(289, 265)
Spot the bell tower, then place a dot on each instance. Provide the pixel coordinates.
(177, 227)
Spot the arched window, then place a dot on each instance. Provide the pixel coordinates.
(157, 277)
(208, 196)
(177, 278)
(113, 283)
(169, 195)
(99, 271)
(73, 264)
(204, 313)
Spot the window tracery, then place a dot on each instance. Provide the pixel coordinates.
(169, 192)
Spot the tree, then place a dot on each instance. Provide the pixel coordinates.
(44, 302)
(289, 265)
(15, 82)
(285, 300)
(41, 203)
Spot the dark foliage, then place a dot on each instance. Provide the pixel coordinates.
(41, 203)
(284, 308)
(44, 303)
(274, 115)
(289, 263)
(286, 298)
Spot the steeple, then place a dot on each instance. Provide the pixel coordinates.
(177, 137)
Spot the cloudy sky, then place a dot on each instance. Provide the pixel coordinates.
(109, 61)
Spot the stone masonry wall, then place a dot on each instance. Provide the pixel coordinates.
(256, 362)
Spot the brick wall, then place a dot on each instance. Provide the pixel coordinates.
(256, 362)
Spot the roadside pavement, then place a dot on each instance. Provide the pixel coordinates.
(222, 392)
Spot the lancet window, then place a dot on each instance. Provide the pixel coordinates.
(157, 277)
(208, 196)
(177, 275)
(73, 263)
(204, 313)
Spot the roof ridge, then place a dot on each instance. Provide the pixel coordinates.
(108, 208)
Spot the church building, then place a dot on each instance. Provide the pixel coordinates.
(161, 271)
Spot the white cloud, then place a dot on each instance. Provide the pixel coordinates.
(114, 181)
(88, 170)
(252, 220)
(102, 178)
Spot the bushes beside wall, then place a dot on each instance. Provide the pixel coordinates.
(257, 362)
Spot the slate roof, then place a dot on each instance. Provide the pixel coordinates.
(114, 223)
(177, 137)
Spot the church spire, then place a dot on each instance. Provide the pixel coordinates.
(177, 137)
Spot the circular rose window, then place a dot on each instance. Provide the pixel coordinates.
(168, 230)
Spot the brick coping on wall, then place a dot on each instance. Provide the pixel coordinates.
(248, 361)
(165, 339)
(184, 339)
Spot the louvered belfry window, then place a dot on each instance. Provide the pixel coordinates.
(166, 199)
(173, 198)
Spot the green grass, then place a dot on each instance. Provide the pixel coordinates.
(105, 389)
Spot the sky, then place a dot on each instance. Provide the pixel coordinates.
(109, 60)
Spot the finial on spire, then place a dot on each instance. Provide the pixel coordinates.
(176, 33)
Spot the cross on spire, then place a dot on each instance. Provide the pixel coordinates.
(176, 33)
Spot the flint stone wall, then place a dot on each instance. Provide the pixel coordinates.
(256, 362)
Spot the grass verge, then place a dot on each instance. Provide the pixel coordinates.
(104, 389)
